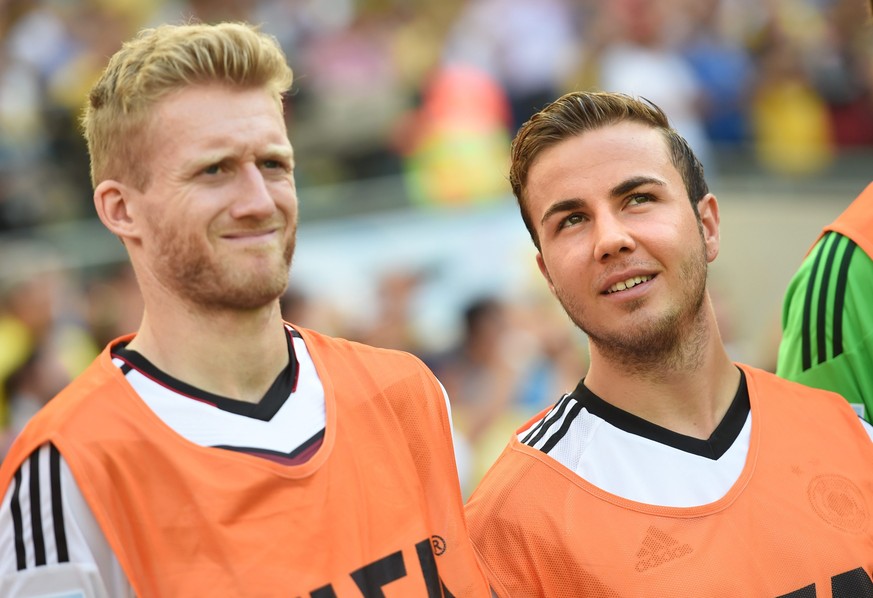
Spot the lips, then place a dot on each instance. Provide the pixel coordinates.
(249, 235)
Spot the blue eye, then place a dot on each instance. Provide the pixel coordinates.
(212, 169)
(276, 165)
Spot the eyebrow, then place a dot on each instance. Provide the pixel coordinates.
(565, 205)
(619, 190)
(632, 183)
(285, 151)
(272, 151)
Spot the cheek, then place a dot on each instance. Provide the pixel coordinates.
(285, 195)
(670, 237)
(563, 270)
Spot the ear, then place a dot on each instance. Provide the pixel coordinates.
(545, 272)
(113, 203)
(709, 224)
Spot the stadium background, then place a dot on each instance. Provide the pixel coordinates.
(401, 115)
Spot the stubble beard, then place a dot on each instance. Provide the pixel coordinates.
(668, 342)
(201, 280)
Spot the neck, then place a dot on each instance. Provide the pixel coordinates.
(235, 354)
(688, 390)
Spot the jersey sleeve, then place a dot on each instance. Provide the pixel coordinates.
(827, 322)
(50, 542)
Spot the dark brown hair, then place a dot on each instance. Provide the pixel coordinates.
(581, 111)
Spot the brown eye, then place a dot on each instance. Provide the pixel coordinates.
(572, 219)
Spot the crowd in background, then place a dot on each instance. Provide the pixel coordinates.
(429, 92)
(389, 86)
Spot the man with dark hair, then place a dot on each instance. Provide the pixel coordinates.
(669, 470)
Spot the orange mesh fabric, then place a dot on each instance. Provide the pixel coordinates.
(797, 520)
(375, 512)
(856, 222)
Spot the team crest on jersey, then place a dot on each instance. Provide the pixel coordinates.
(839, 502)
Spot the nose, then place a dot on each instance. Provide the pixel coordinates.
(253, 198)
(612, 237)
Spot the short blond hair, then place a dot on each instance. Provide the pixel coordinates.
(162, 60)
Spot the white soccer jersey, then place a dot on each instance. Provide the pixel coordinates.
(640, 461)
(50, 543)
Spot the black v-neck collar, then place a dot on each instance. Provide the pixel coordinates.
(279, 392)
(712, 448)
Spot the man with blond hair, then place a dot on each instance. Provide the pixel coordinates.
(669, 470)
(220, 451)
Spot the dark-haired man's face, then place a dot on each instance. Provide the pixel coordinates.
(621, 246)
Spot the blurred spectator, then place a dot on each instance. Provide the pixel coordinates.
(41, 309)
(481, 375)
(457, 143)
(842, 72)
(352, 97)
(529, 46)
(316, 314)
(47, 62)
(391, 326)
(30, 386)
(791, 123)
(114, 305)
(557, 355)
(644, 59)
(724, 69)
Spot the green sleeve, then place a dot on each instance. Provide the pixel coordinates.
(827, 322)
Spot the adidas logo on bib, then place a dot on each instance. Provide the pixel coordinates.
(658, 548)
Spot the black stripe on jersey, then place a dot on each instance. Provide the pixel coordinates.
(713, 447)
(57, 504)
(840, 296)
(35, 502)
(562, 431)
(806, 340)
(821, 328)
(18, 524)
(538, 431)
(287, 458)
(264, 410)
(35, 511)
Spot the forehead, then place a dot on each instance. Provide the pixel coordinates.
(212, 116)
(596, 160)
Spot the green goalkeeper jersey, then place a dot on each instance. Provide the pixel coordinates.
(827, 322)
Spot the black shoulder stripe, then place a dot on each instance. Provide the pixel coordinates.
(821, 322)
(57, 505)
(537, 433)
(571, 415)
(35, 511)
(806, 341)
(18, 524)
(840, 296)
